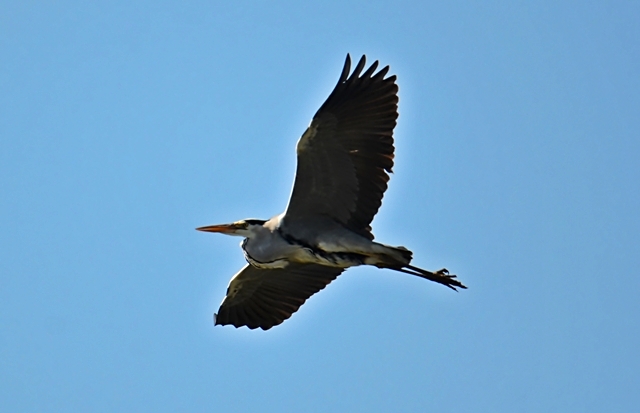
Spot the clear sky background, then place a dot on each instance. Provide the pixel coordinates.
(125, 125)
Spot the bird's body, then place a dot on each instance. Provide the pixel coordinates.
(344, 158)
(272, 244)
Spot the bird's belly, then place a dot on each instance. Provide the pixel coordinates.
(264, 255)
(307, 256)
(329, 259)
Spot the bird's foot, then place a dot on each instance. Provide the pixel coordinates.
(447, 279)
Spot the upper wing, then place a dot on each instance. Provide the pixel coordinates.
(265, 298)
(345, 155)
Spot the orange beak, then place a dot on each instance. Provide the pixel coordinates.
(224, 229)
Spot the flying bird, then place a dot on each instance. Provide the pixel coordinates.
(344, 160)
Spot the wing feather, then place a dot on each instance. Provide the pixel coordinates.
(346, 154)
(265, 298)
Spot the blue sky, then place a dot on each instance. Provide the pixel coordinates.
(125, 125)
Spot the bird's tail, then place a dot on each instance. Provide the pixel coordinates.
(405, 255)
(386, 256)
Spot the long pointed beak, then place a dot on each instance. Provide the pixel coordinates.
(224, 228)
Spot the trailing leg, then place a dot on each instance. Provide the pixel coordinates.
(441, 276)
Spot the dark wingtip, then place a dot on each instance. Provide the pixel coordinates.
(359, 67)
(345, 70)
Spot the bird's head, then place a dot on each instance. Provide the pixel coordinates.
(243, 228)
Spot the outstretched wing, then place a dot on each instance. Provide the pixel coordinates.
(265, 298)
(345, 155)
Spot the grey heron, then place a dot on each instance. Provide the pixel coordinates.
(344, 160)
